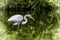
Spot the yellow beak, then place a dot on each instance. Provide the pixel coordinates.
(32, 18)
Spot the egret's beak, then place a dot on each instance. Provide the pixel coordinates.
(32, 18)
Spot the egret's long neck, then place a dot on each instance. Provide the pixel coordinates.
(24, 22)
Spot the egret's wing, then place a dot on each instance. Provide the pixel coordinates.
(16, 18)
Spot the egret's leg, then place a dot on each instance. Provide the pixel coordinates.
(12, 26)
(18, 26)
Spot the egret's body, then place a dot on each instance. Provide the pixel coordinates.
(17, 19)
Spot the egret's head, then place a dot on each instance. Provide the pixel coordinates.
(30, 16)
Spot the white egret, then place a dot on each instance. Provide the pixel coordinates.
(17, 19)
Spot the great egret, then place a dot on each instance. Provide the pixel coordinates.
(17, 19)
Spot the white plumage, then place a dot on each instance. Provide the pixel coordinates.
(17, 19)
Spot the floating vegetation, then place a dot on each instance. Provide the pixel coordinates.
(44, 14)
